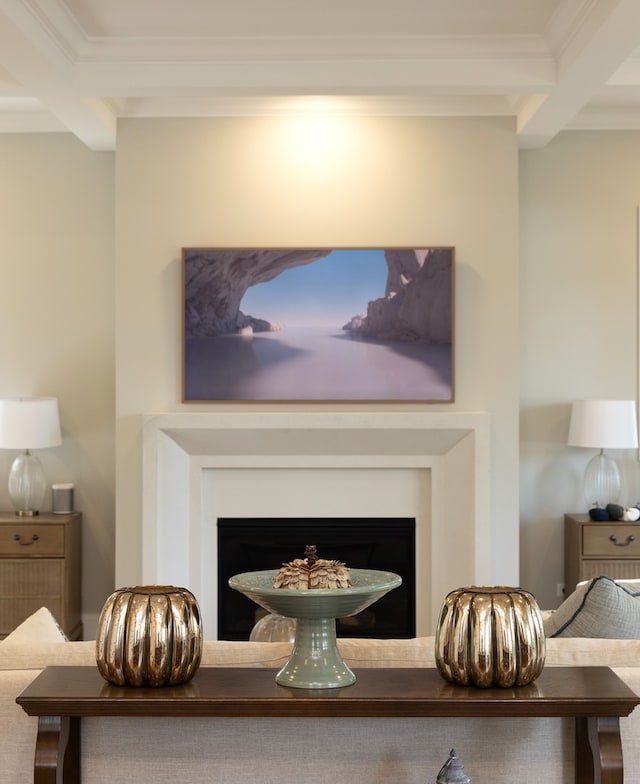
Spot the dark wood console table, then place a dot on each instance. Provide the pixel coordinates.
(593, 696)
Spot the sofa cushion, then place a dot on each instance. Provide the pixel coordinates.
(591, 652)
(225, 653)
(17, 730)
(597, 608)
(369, 652)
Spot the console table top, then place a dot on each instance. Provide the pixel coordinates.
(390, 692)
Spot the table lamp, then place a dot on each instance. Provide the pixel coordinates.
(603, 424)
(28, 423)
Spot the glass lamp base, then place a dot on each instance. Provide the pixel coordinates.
(27, 484)
(274, 628)
(602, 483)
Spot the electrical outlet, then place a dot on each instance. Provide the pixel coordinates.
(560, 589)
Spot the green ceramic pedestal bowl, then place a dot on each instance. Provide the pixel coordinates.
(315, 661)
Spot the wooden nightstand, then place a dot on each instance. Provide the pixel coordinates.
(592, 549)
(40, 565)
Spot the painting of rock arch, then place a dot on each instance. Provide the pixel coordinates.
(355, 324)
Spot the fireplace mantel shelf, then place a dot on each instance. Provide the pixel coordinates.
(313, 433)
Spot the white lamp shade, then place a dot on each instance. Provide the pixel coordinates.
(604, 424)
(29, 423)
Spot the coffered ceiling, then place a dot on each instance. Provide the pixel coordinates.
(80, 65)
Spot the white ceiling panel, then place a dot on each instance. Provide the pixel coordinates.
(551, 64)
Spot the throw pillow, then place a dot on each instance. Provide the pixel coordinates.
(598, 608)
(631, 585)
(39, 642)
(39, 627)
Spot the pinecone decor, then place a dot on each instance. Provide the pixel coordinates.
(311, 573)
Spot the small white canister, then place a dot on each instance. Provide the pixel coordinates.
(62, 498)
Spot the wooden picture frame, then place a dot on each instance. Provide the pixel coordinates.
(309, 325)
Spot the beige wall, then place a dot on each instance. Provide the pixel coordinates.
(352, 182)
(578, 322)
(56, 306)
(403, 181)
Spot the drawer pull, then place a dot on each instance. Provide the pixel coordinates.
(614, 539)
(18, 538)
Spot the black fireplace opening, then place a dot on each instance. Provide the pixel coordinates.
(254, 544)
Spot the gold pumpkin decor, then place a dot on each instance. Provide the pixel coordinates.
(149, 635)
(490, 636)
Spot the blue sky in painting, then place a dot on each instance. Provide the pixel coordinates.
(327, 292)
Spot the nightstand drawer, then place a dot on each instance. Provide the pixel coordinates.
(37, 540)
(23, 579)
(589, 550)
(611, 541)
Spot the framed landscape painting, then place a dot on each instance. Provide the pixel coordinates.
(308, 325)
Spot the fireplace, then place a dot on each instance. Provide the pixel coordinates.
(202, 466)
(387, 544)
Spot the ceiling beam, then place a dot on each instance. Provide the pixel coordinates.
(600, 43)
(374, 76)
(46, 71)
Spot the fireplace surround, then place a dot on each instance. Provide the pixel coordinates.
(434, 467)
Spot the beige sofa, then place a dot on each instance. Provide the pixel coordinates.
(269, 751)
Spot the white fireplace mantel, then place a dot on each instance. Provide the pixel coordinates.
(201, 466)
